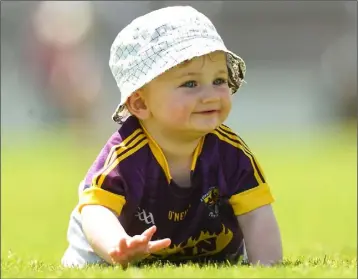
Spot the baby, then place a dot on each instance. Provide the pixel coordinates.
(174, 183)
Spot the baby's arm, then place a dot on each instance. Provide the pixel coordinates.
(262, 236)
(102, 229)
(110, 241)
(251, 200)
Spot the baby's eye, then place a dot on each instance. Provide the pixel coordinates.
(190, 84)
(220, 81)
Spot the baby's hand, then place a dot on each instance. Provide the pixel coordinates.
(138, 247)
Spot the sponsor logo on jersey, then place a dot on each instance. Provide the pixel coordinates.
(178, 216)
(144, 216)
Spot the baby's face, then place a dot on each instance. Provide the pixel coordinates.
(193, 96)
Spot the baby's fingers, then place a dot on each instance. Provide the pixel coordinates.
(120, 251)
(157, 245)
(150, 232)
(123, 246)
(137, 241)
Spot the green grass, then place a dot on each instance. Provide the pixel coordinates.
(313, 179)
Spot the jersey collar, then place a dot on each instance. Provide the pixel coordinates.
(160, 157)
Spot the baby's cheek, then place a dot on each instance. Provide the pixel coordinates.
(226, 102)
(178, 113)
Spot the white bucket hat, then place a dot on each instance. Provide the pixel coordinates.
(156, 42)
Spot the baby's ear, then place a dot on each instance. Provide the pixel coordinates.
(137, 106)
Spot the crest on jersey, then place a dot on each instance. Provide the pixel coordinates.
(212, 201)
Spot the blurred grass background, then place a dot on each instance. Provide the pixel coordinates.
(313, 179)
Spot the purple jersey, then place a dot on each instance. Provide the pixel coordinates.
(132, 178)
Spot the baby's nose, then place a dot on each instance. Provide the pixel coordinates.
(210, 95)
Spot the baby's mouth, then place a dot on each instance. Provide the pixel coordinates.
(207, 112)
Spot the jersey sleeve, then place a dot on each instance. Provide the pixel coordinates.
(104, 184)
(249, 188)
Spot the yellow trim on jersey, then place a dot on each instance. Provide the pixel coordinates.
(239, 146)
(112, 154)
(234, 136)
(122, 146)
(158, 154)
(197, 152)
(251, 199)
(98, 196)
(226, 128)
(160, 157)
(122, 154)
